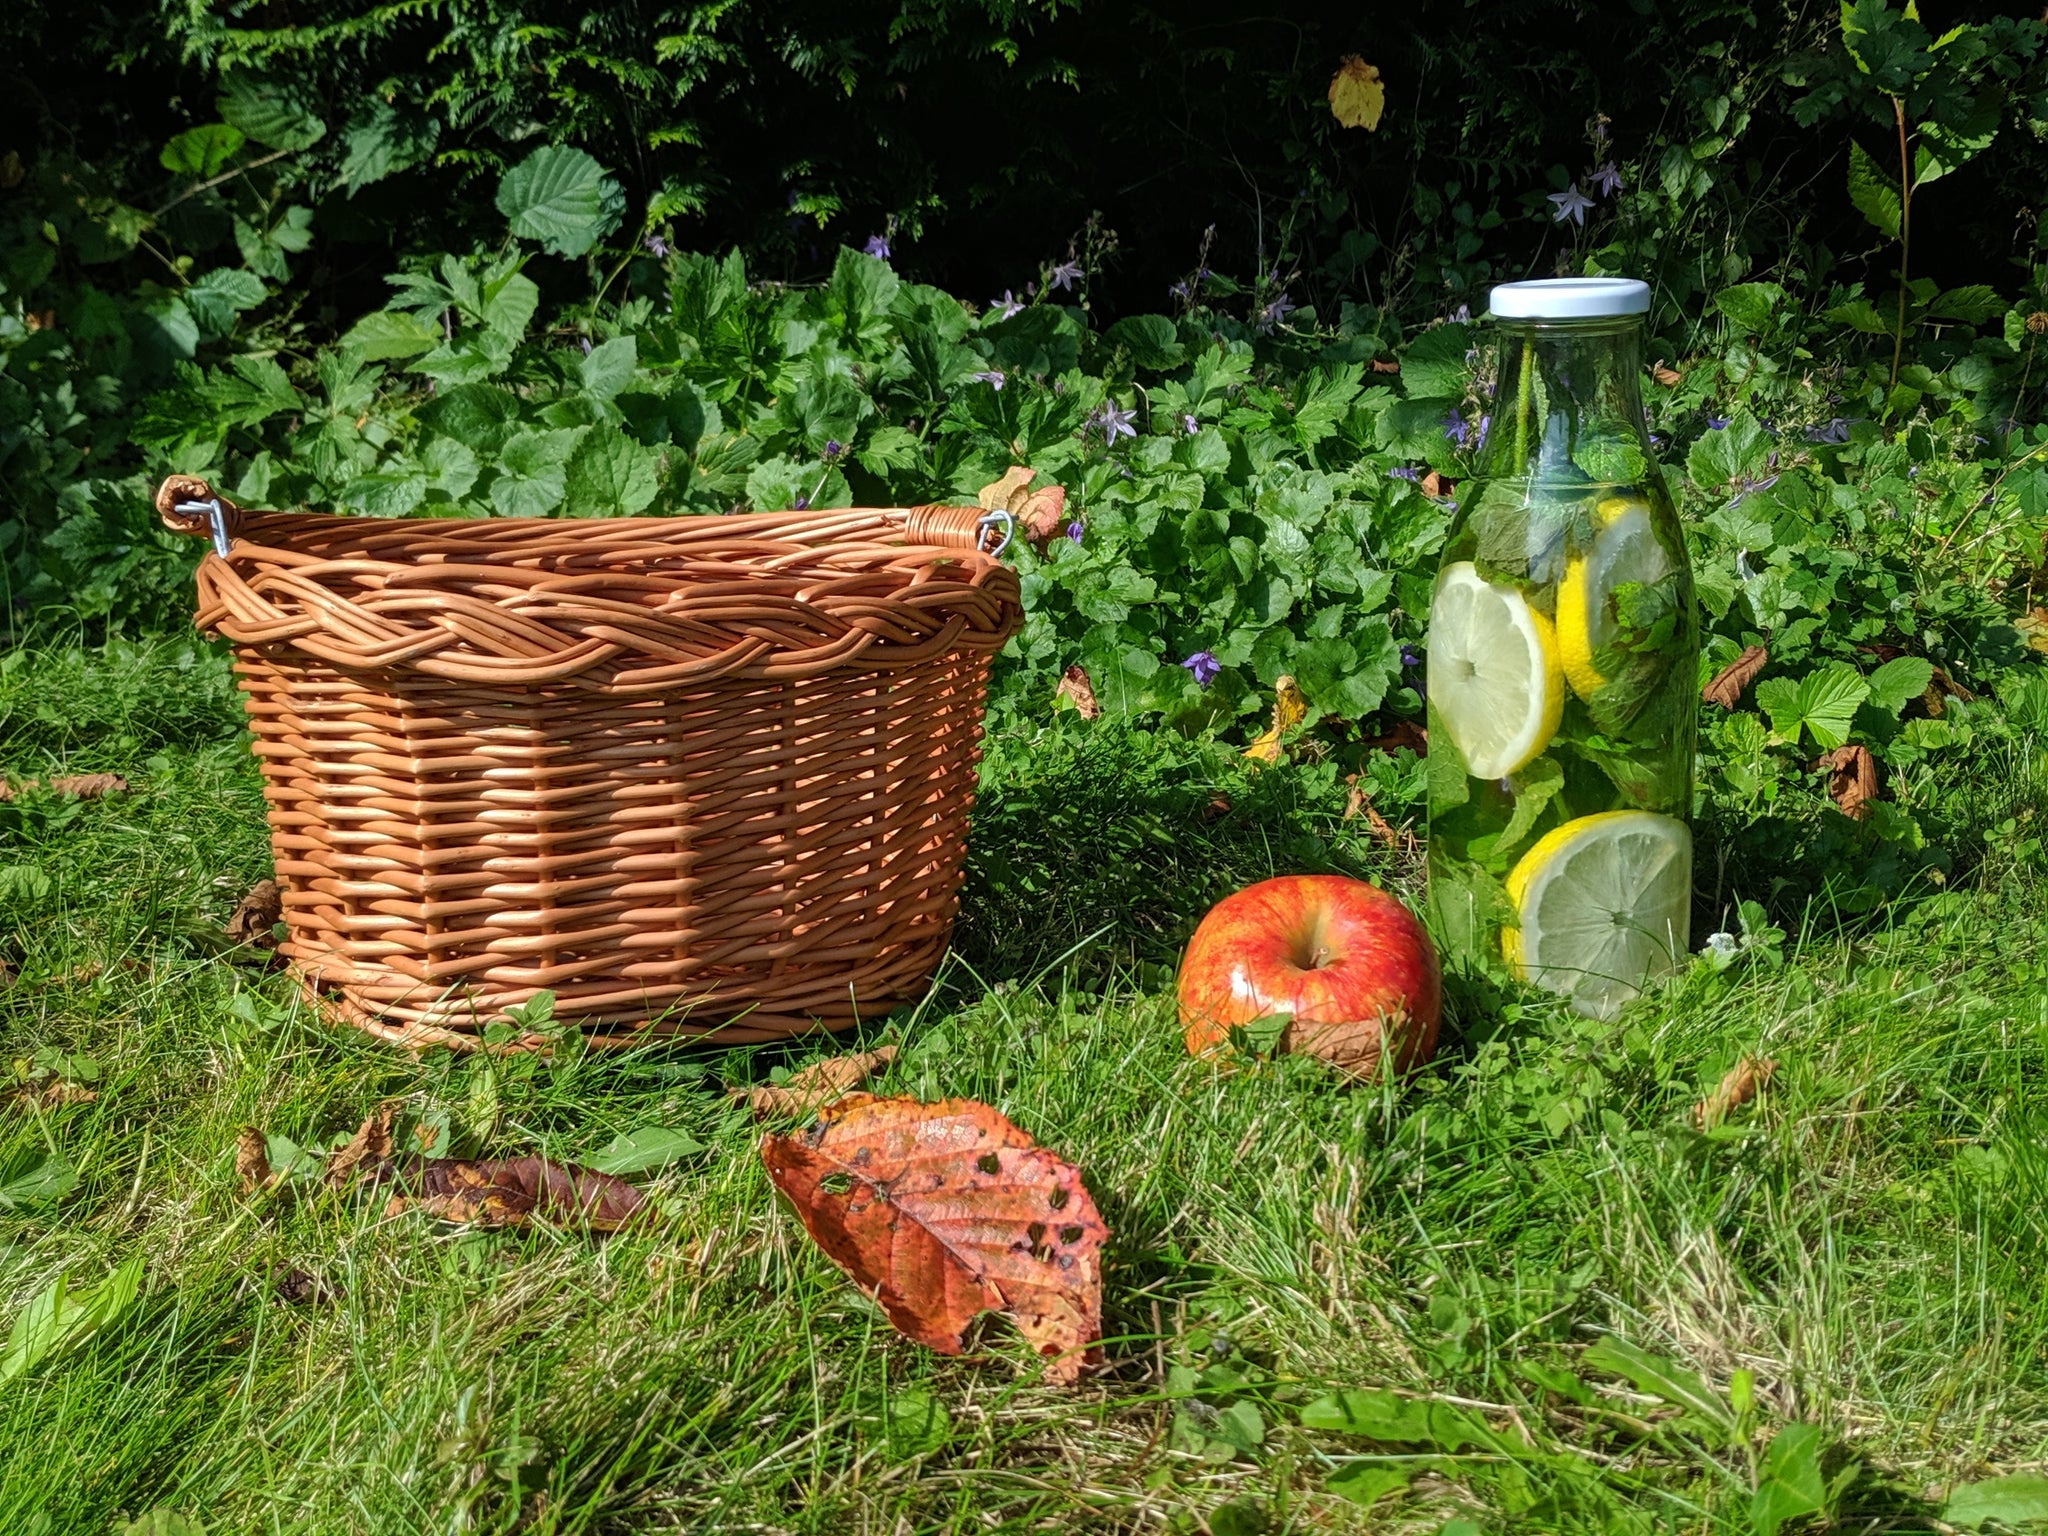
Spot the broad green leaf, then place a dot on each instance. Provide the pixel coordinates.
(609, 366)
(1973, 304)
(201, 152)
(610, 476)
(163, 1521)
(1365, 1483)
(644, 1150)
(1861, 315)
(1874, 196)
(1899, 681)
(218, 296)
(269, 111)
(48, 1178)
(1736, 452)
(1660, 1378)
(451, 467)
(1377, 1414)
(1749, 305)
(1434, 367)
(2017, 1500)
(384, 494)
(62, 1316)
(383, 140)
(384, 334)
(561, 198)
(1152, 341)
(533, 472)
(509, 303)
(1789, 1481)
(1828, 700)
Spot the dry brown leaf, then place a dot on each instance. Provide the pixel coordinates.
(2034, 625)
(1741, 1083)
(1359, 803)
(371, 1143)
(1406, 733)
(54, 1094)
(297, 1288)
(1357, 98)
(1940, 690)
(511, 1191)
(1665, 376)
(1436, 487)
(997, 495)
(1290, 708)
(80, 786)
(1852, 779)
(944, 1211)
(252, 1160)
(257, 914)
(1077, 690)
(820, 1084)
(1042, 516)
(1385, 365)
(1217, 808)
(1728, 683)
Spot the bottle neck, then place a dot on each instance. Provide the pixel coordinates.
(1567, 402)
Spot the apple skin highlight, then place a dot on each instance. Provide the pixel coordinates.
(1349, 962)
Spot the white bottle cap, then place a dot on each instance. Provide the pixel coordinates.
(1570, 298)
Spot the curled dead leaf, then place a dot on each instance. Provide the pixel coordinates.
(252, 1160)
(1039, 515)
(1404, 733)
(821, 1083)
(944, 1211)
(1663, 375)
(54, 1094)
(511, 1192)
(1726, 687)
(1940, 689)
(80, 786)
(1739, 1084)
(257, 913)
(1217, 808)
(1357, 98)
(371, 1143)
(1290, 708)
(1385, 365)
(1358, 803)
(1852, 779)
(1436, 487)
(1076, 690)
(997, 494)
(297, 1288)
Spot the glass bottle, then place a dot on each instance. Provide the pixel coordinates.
(1563, 667)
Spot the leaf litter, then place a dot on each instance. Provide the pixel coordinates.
(807, 1091)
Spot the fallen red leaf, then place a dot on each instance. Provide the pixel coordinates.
(1728, 683)
(1077, 690)
(1852, 779)
(821, 1083)
(944, 1211)
(1739, 1084)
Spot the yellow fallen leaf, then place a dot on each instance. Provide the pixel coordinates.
(1356, 96)
(1006, 494)
(1289, 710)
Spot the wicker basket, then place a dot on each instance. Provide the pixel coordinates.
(690, 774)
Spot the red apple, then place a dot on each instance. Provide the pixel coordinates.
(1349, 962)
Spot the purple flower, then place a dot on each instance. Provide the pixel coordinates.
(1203, 667)
(586, 345)
(878, 247)
(1460, 315)
(1277, 308)
(1074, 531)
(1115, 421)
(1716, 423)
(991, 376)
(1410, 656)
(1456, 430)
(1189, 425)
(1607, 180)
(1179, 291)
(1479, 437)
(1406, 472)
(1834, 431)
(1006, 306)
(1065, 275)
(832, 449)
(1571, 204)
(1747, 484)
(803, 504)
(658, 246)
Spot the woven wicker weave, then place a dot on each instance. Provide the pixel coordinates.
(689, 774)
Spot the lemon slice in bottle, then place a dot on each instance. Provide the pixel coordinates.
(1494, 679)
(1605, 904)
(1624, 549)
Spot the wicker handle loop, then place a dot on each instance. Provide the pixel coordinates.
(957, 528)
(187, 504)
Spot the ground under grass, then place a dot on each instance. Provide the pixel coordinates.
(1861, 1250)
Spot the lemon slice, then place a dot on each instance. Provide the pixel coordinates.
(1605, 904)
(1494, 679)
(1624, 549)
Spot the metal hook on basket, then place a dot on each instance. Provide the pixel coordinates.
(993, 520)
(216, 521)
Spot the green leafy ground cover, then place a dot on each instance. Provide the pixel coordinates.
(1524, 1292)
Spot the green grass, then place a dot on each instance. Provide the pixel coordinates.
(1868, 1242)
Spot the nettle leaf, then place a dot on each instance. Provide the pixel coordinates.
(451, 467)
(610, 476)
(533, 472)
(1874, 196)
(507, 304)
(609, 367)
(561, 198)
(1899, 681)
(384, 493)
(1973, 305)
(1152, 341)
(385, 334)
(269, 111)
(1860, 315)
(384, 139)
(1435, 365)
(201, 152)
(1735, 452)
(221, 294)
(1749, 305)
